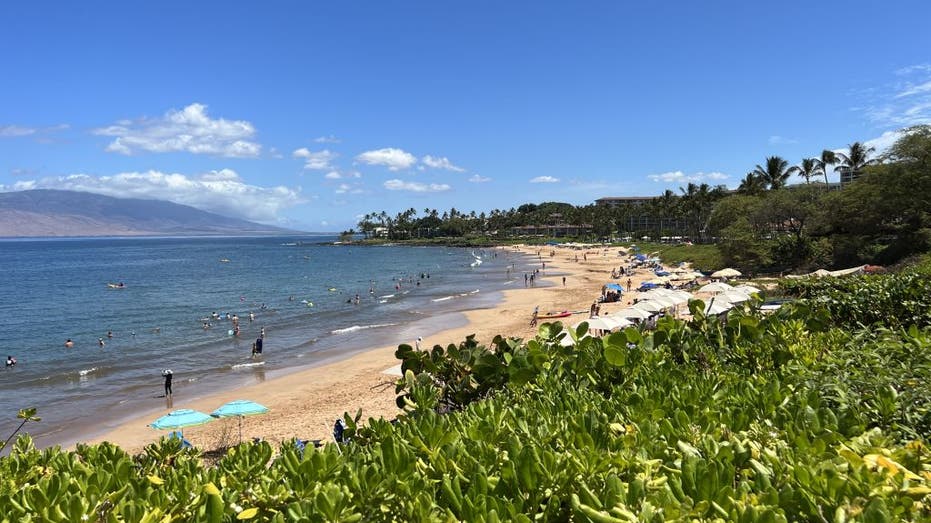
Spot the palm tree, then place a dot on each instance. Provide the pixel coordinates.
(828, 157)
(806, 169)
(751, 185)
(775, 174)
(852, 163)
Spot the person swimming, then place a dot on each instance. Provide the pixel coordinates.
(69, 343)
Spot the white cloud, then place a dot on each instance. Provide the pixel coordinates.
(681, 177)
(881, 142)
(337, 175)
(222, 191)
(441, 163)
(781, 140)
(394, 159)
(544, 179)
(902, 103)
(12, 131)
(475, 178)
(315, 161)
(16, 131)
(189, 130)
(345, 188)
(915, 89)
(400, 185)
(275, 153)
(326, 139)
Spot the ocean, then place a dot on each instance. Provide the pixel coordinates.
(301, 290)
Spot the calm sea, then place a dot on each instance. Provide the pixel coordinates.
(300, 289)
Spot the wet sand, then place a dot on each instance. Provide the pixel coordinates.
(305, 404)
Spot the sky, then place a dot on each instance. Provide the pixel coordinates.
(310, 114)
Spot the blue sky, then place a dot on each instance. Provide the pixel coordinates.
(309, 114)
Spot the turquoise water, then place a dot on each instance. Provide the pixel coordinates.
(300, 290)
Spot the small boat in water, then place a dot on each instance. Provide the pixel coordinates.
(224, 260)
(119, 285)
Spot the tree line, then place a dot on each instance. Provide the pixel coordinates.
(879, 215)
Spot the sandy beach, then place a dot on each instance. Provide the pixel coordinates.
(305, 404)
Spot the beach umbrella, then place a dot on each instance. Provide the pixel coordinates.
(633, 314)
(178, 419)
(614, 286)
(747, 289)
(649, 306)
(715, 287)
(717, 307)
(733, 296)
(239, 409)
(726, 273)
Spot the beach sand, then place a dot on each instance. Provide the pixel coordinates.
(306, 403)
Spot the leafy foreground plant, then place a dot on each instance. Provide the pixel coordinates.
(778, 418)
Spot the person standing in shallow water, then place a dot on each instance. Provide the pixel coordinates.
(167, 373)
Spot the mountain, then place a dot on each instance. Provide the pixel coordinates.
(70, 213)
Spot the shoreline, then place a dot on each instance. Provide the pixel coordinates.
(305, 402)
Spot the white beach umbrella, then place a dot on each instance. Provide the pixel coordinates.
(747, 289)
(619, 322)
(633, 313)
(650, 306)
(733, 296)
(726, 273)
(717, 307)
(715, 287)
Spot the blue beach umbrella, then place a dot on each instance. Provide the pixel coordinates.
(178, 419)
(239, 409)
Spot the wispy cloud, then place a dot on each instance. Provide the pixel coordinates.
(315, 161)
(337, 175)
(345, 188)
(401, 185)
(781, 140)
(544, 179)
(904, 102)
(326, 139)
(189, 130)
(441, 163)
(221, 191)
(475, 178)
(16, 131)
(681, 177)
(393, 159)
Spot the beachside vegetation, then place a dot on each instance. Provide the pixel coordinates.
(880, 213)
(808, 414)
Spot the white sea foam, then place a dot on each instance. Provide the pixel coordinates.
(245, 365)
(85, 372)
(355, 328)
(444, 299)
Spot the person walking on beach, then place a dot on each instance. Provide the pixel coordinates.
(417, 343)
(533, 318)
(167, 373)
(628, 284)
(563, 281)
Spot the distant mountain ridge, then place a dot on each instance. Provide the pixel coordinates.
(47, 212)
